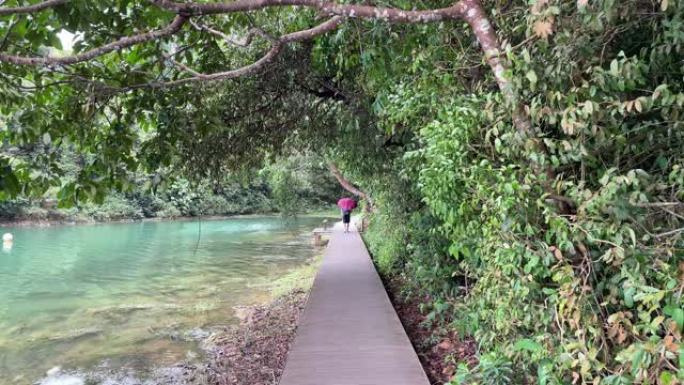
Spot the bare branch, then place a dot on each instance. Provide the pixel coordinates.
(118, 45)
(659, 204)
(668, 233)
(674, 214)
(393, 15)
(182, 66)
(310, 33)
(477, 18)
(31, 8)
(5, 39)
(247, 40)
(231, 74)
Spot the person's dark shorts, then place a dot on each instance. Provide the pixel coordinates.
(346, 216)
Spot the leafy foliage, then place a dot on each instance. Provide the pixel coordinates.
(98, 110)
(588, 291)
(299, 182)
(309, 187)
(559, 250)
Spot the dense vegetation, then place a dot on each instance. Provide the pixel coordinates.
(586, 293)
(558, 247)
(289, 186)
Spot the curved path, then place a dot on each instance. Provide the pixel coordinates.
(349, 333)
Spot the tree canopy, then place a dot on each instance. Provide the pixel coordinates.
(128, 54)
(524, 158)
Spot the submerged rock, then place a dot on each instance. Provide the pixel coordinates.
(76, 334)
(54, 371)
(62, 379)
(243, 313)
(120, 309)
(197, 334)
(250, 353)
(126, 380)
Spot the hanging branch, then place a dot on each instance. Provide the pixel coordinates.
(31, 8)
(276, 47)
(470, 11)
(117, 45)
(347, 185)
(393, 15)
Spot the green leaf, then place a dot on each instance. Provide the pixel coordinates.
(632, 236)
(629, 297)
(666, 378)
(637, 357)
(534, 261)
(678, 317)
(529, 345)
(614, 68)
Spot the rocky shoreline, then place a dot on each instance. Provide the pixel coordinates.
(252, 352)
(256, 351)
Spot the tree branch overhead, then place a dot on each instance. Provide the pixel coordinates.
(31, 8)
(327, 7)
(185, 11)
(117, 45)
(470, 11)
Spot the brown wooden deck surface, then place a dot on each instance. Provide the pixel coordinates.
(349, 333)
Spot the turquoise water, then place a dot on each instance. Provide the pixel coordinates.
(133, 296)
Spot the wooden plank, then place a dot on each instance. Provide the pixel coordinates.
(349, 333)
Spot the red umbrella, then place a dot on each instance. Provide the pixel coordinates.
(346, 204)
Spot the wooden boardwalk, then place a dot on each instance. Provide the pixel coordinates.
(349, 333)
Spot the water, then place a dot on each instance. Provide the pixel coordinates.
(133, 295)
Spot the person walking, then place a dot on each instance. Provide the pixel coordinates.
(346, 205)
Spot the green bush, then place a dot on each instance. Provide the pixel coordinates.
(386, 237)
(289, 192)
(114, 208)
(491, 369)
(574, 279)
(215, 205)
(166, 210)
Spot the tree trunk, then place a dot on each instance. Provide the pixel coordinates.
(475, 15)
